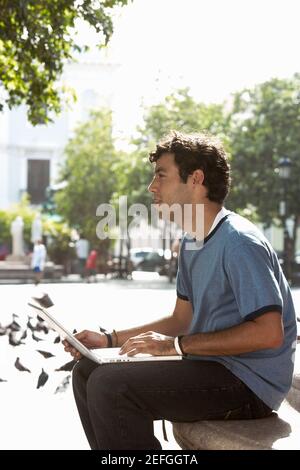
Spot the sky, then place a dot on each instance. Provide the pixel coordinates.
(215, 47)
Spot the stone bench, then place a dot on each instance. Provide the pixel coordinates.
(278, 432)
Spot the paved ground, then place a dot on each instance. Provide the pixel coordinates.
(41, 419)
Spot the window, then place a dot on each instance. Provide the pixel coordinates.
(38, 173)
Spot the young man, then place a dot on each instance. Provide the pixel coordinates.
(234, 318)
(38, 260)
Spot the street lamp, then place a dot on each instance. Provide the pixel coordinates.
(284, 171)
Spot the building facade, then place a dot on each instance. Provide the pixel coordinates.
(30, 155)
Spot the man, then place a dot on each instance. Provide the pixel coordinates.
(234, 319)
(38, 260)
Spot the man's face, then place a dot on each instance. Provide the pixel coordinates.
(166, 186)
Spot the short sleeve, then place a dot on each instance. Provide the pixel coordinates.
(251, 276)
(181, 280)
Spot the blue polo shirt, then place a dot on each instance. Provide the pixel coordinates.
(233, 277)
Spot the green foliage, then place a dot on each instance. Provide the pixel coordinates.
(4, 228)
(133, 177)
(90, 171)
(265, 127)
(181, 112)
(58, 233)
(27, 213)
(36, 40)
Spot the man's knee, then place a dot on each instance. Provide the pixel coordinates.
(83, 369)
(107, 381)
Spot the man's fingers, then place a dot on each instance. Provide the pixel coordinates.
(130, 343)
(134, 345)
(132, 352)
(81, 335)
(71, 350)
(147, 333)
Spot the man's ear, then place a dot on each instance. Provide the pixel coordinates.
(198, 177)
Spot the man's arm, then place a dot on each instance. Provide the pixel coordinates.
(264, 332)
(175, 324)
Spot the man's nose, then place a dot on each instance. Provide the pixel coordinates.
(151, 187)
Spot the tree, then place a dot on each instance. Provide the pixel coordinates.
(181, 112)
(265, 126)
(36, 40)
(132, 180)
(89, 171)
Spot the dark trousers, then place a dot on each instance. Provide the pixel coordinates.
(118, 403)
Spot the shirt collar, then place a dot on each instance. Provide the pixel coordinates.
(218, 217)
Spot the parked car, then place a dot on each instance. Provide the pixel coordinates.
(148, 260)
(119, 267)
(138, 254)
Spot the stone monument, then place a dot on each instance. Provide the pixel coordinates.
(16, 230)
(36, 229)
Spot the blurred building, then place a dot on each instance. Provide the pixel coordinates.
(30, 156)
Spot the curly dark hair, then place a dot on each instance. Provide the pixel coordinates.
(198, 151)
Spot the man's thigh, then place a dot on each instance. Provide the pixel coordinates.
(185, 390)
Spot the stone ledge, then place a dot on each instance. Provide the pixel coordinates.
(21, 271)
(293, 397)
(279, 432)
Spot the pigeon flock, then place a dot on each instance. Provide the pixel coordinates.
(31, 335)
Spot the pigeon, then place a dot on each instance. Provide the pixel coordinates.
(36, 338)
(43, 377)
(24, 334)
(67, 367)
(3, 330)
(57, 339)
(64, 385)
(44, 300)
(14, 326)
(20, 366)
(46, 354)
(29, 324)
(14, 338)
(42, 327)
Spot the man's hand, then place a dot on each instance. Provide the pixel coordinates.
(90, 339)
(149, 343)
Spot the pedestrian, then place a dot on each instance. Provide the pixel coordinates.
(233, 322)
(82, 251)
(91, 266)
(38, 260)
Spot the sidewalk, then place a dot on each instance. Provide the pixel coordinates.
(34, 418)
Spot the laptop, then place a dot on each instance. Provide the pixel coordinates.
(101, 356)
